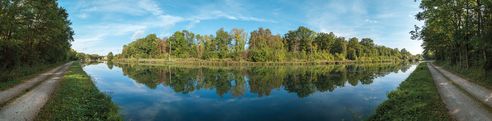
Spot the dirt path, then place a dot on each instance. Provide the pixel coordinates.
(477, 91)
(461, 106)
(10, 93)
(28, 105)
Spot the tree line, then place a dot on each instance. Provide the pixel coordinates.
(33, 32)
(457, 31)
(302, 44)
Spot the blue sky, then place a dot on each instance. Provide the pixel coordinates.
(102, 26)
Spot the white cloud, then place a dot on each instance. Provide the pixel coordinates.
(120, 21)
(83, 15)
(150, 6)
(94, 38)
(388, 24)
(226, 9)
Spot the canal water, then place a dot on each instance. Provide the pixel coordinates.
(284, 93)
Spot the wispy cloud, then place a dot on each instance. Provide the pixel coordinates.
(94, 37)
(225, 9)
(104, 26)
(383, 20)
(121, 21)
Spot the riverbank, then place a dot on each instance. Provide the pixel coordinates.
(474, 74)
(416, 99)
(20, 74)
(77, 98)
(228, 62)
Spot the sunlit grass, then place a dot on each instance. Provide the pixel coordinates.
(77, 99)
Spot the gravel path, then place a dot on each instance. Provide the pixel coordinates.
(461, 106)
(11, 93)
(477, 91)
(26, 107)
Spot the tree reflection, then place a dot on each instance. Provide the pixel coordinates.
(238, 81)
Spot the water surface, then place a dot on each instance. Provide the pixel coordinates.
(342, 92)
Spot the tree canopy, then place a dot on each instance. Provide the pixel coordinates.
(301, 44)
(456, 31)
(33, 32)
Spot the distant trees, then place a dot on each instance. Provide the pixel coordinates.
(33, 32)
(456, 31)
(265, 47)
(110, 56)
(301, 44)
(300, 40)
(222, 40)
(147, 47)
(89, 57)
(239, 38)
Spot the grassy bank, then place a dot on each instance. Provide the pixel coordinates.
(77, 98)
(15, 76)
(416, 99)
(477, 75)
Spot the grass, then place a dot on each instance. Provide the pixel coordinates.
(78, 99)
(477, 75)
(20, 74)
(416, 99)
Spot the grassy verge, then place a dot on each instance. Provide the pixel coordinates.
(15, 76)
(477, 75)
(416, 99)
(78, 99)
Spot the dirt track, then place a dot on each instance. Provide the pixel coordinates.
(461, 106)
(477, 91)
(26, 107)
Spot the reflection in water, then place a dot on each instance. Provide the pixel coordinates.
(261, 80)
(341, 92)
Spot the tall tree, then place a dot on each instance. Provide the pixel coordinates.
(223, 40)
(239, 37)
(300, 39)
(325, 41)
(110, 56)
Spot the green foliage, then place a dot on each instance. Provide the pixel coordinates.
(457, 31)
(89, 57)
(416, 99)
(262, 80)
(147, 47)
(265, 47)
(239, 37)
(301, 44)
(300, 39)
(325, 41)
(110, 56)
(33, 32)
(78, 99)
(353, 49)
(340, 48)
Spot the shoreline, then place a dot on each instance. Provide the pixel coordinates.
(77, 98)
(416, 98)
(246, 63)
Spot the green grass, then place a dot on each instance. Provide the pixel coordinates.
(15, 76)
(416, 99)
(78, 99)
(477, 75)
